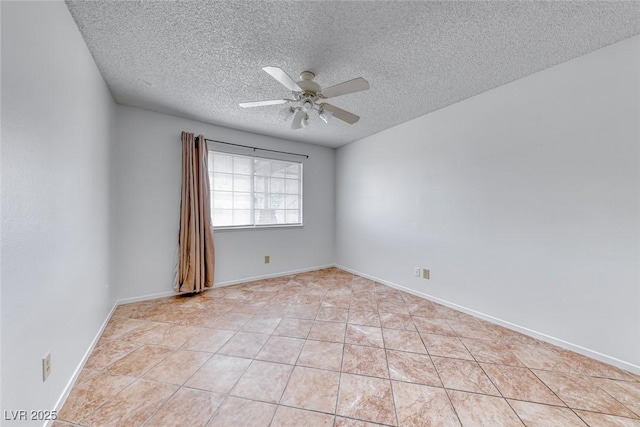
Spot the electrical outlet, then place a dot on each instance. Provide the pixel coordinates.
(425, 273)
(416, 271)
(267, 259)
(46, 366)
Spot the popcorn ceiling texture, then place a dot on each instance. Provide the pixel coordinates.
(200, 59)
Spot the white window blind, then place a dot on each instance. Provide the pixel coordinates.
(253, 192)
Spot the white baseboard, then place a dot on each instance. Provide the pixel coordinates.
(526, 331)
(223, 284)
(76, 373)
(270, 276)
(146, 297)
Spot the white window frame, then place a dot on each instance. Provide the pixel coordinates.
(253, 192)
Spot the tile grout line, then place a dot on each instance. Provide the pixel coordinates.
(386, 358)
(618, 400)
(501, 394)
(455, 411)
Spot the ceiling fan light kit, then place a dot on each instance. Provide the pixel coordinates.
(308, 97)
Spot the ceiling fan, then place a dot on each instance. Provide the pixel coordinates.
(308, 97)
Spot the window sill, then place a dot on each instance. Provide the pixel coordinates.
(259, 227)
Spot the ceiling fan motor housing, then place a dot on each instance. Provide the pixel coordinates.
(308, 86)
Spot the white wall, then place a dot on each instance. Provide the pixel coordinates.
(146, 168)
(57, 120)
(523, 201)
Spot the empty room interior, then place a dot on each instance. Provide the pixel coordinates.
(247, 213)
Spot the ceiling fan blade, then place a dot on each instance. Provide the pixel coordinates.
(283, 78)
(297, 119)
(263, 103)
(341, 114)
(355, 85)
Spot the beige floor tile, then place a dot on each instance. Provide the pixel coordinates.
(292, 417)
(581, 393)
(625, 392)
(366, 398)
(333, 314)
(412, 367)
(209, 340)
(133, 405)
(304, 311)
(337, 298)
(244, 344)
(350, 422)
(397, 321)
(219, 374)
(262, 324)
(403, 341)
(187, 407)
(364, 304)
(464, 375)
(521, 384)
(419, 405)
(386, 306)
(294, 328)
(92, 390)
(178, 367)
(481, 410)
(248, 307)
(433, 326)
(140, 361)
(263, 381)
(275, 309)
(236, 412)
(321, 354)
(471, 328)
(327, 331)
(364, 335)
(583, 365)
(164, 334)
(364, 318)
(232, 321)
(109, 351)
(492, 352)
(312, 389)
(540, 357)
(281, 350)
(363, 360)
(117, 327)
(538, 415)
(445, 346)
(506, 335)
(423, 309)
(597, 420)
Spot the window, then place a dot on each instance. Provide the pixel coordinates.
(253, 192)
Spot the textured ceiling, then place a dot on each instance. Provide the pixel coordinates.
(200, 59)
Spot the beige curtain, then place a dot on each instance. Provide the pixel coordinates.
(196, 258)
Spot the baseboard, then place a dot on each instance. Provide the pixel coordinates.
(85, 357)
(145, 297)
(515, 327)
(270, 276)
(223, 284)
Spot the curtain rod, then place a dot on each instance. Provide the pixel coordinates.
(256, 148)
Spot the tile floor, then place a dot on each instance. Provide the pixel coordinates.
(327, 348)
